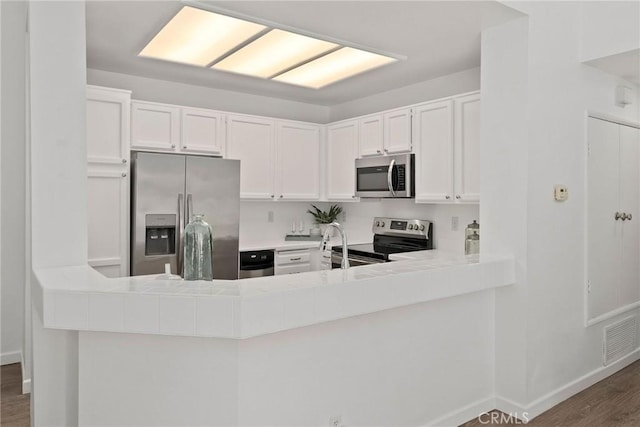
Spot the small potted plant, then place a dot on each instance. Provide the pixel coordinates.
(322, 218)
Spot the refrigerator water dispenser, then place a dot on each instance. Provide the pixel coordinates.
(160, 234)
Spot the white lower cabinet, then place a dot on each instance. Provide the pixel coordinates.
(293, 261)
(342, 151)
(446, 137)
(108, 147)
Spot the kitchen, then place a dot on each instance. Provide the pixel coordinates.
(504, 220)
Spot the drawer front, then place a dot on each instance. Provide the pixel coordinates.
(293, 257)
(292, 268)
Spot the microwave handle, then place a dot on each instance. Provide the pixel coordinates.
(389, 177)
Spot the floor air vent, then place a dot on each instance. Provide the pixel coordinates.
(620, 339)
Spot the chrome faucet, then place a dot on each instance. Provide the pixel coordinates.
(343, 235)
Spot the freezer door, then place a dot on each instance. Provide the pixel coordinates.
(157, 211)
(213, 189)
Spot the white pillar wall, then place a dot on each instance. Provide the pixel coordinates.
(58, 189)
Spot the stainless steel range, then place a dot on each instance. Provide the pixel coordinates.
(390, 236)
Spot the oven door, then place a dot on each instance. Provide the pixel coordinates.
(388, 176)
(354, 260)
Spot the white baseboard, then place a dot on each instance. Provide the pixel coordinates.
(26, 379)
(10, 357)
(561, 394)
(467, 413)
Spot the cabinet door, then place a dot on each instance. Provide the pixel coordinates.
(108, 219)
(252, 141)
(108, 118)
(603, 236)
(629, 184)
(154, 126)
(298, 161)
(467, 148)
(342, 148)
(202, 131)
(371, 135)
(433, 136)
(397, 131)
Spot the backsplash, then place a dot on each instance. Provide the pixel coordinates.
(255, 224)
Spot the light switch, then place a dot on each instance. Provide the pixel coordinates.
(561, 193)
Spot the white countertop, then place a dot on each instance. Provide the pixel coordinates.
(79, 298)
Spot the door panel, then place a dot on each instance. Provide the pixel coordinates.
(342, 148)
(158, 183)
(213, 189)
(603, 241)
(467, 148)
(629, 184)
(298, 161)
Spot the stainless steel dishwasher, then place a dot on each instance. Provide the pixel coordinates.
(256, 264)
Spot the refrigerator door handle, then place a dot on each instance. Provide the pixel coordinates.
(189, 209)
(180, 234)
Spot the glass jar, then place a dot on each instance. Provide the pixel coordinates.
(198, 247)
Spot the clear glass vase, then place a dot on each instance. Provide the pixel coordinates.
(198, 247)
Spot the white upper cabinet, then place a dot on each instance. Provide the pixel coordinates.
(298, 164)
(385, 133)
(108, 125)
(371, 135)
(433, 136)
(397, 131)
(202, 131)
(155, 126)
(342, 150)
(467, 148)
(447, 145)
(252, 141)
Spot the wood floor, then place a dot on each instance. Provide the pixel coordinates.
(14, 406)
(614, 401)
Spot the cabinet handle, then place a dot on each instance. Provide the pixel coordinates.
(124, 161)
(629, 217)
(295, 259)
(281, 196)
(124, 174)
(624, 216)
(353, 197)
(378, 151)
(458, 197)
(447, 197)
(173, 145)
(272, 196)
(617, 216)
(386, 151)
(184, 147)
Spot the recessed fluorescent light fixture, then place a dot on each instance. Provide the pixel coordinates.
(334, 66)
(274, 53)
(198, 37)
(208, 39)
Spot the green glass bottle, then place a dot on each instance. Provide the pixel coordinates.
(198, 248)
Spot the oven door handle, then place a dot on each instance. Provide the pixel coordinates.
(390, 177)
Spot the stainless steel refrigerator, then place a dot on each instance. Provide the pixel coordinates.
(167, 189)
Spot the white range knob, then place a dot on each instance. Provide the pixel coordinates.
(422, 228)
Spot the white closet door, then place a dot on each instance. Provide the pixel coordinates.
(603, 241)
(629, 185)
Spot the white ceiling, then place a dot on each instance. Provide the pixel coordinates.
(437, 37)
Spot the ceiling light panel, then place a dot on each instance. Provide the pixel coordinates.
(273, 53)
(199, 37)
(338, 65)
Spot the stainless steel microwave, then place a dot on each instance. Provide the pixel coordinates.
(386, 176)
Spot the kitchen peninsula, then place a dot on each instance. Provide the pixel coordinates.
(128, 327)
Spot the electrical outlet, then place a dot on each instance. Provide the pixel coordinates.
(344, 216)
(335, 421)
(455, 223)
(270, 216)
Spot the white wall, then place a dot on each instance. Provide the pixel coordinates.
(441, 87)
(13, 179)
(609, 28)
(356, 219)
(535, 121)
(155, 90)
(59, 185)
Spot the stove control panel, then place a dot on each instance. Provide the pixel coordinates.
(391, 226)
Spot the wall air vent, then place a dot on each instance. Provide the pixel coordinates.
(620, 339)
